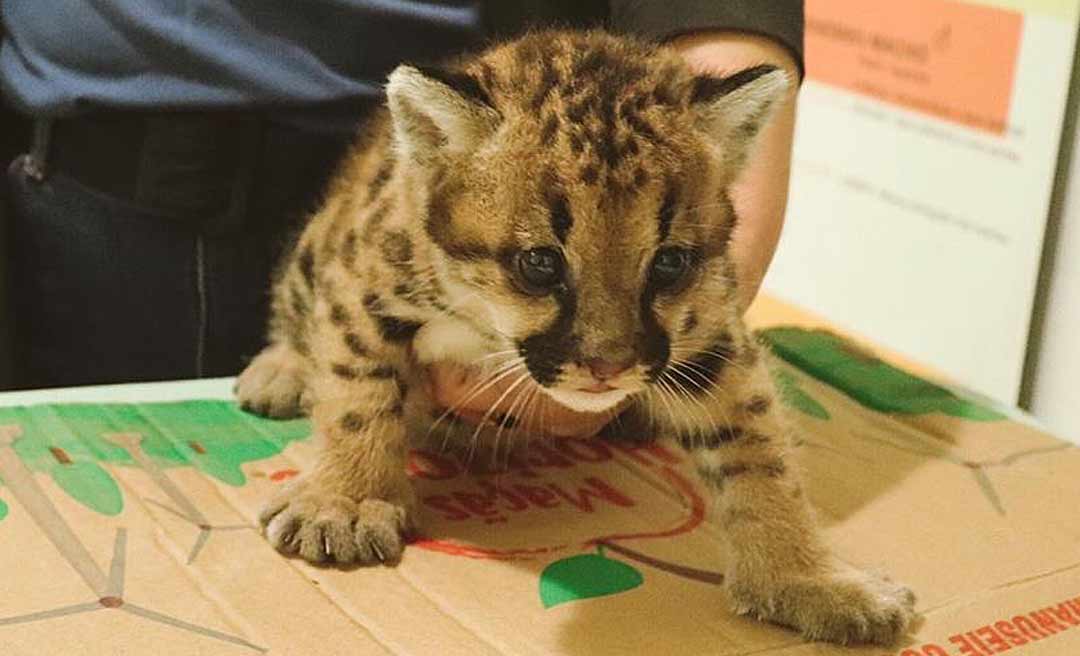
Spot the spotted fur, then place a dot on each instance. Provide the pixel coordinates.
(608, 157)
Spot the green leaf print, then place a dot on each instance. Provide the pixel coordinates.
(586, 576)
(866, 378)
(67, 442)
(91, 486)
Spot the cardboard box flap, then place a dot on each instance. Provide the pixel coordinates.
(130, 527)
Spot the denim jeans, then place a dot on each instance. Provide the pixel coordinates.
(106, 290)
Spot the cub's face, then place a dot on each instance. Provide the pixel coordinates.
(576, 185)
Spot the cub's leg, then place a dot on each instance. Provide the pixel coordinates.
(273, 384)
(355, 504)
(778, 567)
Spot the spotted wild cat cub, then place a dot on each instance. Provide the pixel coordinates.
(555, 209)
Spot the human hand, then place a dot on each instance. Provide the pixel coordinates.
(759, 196)
(466, 393)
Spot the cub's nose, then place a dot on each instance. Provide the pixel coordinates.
(607, 369)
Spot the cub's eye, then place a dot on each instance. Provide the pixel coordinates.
(541, 269)
(670, 266)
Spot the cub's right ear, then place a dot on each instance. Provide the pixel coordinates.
(733, 109)
(438, 112)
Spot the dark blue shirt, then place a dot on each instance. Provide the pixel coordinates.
(59, 55)
(62, 56)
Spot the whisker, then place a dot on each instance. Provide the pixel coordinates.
(512, 414)
(669, 387)
(695, 373)
(720, 404)
(480, 387)
(680, 367)
(483, 420)
(661, 391)
(494, 355)
(507, 416)
(694, 351)
(682, 388)
(477, 389)
(527, 404)
(531, 407)
(723, 357)
(708, 415)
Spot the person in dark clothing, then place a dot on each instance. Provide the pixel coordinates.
(176, 146)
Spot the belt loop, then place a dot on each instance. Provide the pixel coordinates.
(35, 163)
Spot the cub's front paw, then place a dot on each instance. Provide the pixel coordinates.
(273, 385)
(331, 528)
(848, 606)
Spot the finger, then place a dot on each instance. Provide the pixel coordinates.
(468, 389)
(473, 399)
(450, 383)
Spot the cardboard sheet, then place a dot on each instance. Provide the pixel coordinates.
(128, 528)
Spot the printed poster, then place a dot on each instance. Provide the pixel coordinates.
(925, 155)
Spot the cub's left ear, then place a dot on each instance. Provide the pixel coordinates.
(436, 112)
(733, 109)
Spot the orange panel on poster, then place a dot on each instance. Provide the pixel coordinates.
(952, 60)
